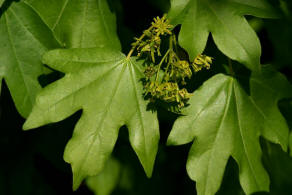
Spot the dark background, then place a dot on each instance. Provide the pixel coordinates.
(31, 163)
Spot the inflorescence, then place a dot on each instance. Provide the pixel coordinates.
(165, 80)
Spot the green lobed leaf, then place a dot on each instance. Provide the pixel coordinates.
(105, 182)
(224, 121)
(29, 28)
(24, 38)
(79, 23)
(1, 2)
(106, 86)
(225, 20)
(267, 88)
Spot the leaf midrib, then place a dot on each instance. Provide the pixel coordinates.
(272, 90)
(26, 29)
(266, 120)
(242, 139)
(107, 31)
(223, 24)
(45, 23)
(218, 132)
(138, 104)
(103, 118)
(83, 24)
(88, 84)
(212, 99)
(60, 15)
(17, 60)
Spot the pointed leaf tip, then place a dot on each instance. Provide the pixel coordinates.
(149, 171)
(241, 45)
(29, 125)
(76, 184)
(89, 74)
(224, 123)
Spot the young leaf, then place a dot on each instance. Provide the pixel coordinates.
(79, 23)
(267, 89)
(225, 20)
(106, 86)
(225, 121)
(105, 182)
(23, 40)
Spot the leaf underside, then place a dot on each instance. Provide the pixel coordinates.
(106, 86)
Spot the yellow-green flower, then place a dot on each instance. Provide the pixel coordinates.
(201, 61)
(162, 25)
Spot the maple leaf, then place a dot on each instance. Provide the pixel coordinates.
(24, 38)
(225, 20)
(224, 121)
(106, 86)
(267, 89)
(79, 23)
(30, 28)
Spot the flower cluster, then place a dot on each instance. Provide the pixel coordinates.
(165, 80)
(177, 70)
(150, 41)
(168, 92)
(200, 62)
